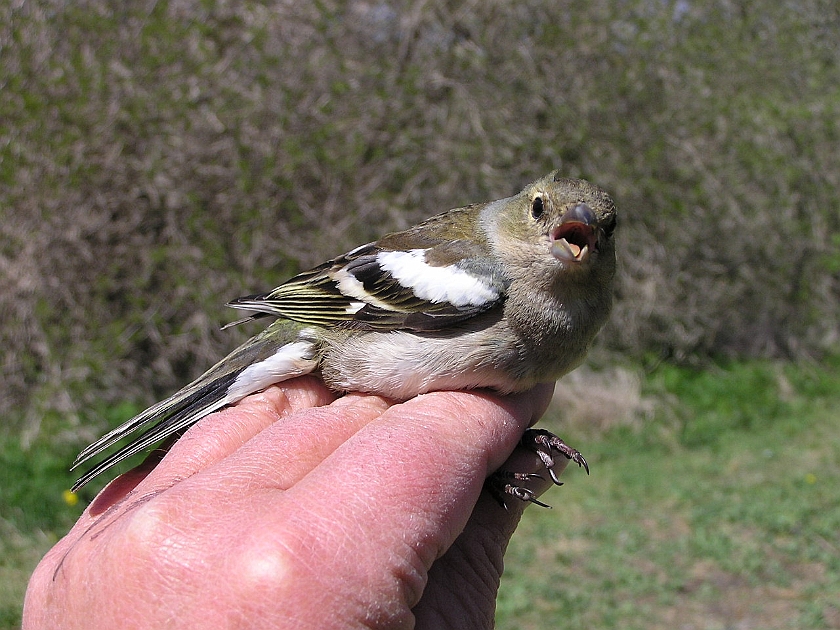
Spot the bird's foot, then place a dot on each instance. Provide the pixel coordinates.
(504, 484)
(545, 444)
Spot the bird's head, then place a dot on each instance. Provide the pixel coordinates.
(557, 230)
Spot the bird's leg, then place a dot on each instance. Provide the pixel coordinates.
(504, 484)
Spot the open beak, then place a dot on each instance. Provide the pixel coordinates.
(575, 238)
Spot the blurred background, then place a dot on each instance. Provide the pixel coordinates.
(160, 158)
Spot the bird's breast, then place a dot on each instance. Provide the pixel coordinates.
(487, 353)
(403, 364)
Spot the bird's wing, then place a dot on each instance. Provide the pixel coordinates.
(413, 280)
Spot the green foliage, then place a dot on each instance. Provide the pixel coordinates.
(33, 486)
(719, 400)
(157, 163)
(36, 476)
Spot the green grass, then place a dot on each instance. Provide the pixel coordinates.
(33, 515)
(722, 512)
(719, 509)
(35, 507)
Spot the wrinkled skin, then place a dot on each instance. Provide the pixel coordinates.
(297, 510)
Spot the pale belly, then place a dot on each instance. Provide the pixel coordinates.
(407, 364)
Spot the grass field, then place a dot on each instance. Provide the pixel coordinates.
(714, 503)
(722, 511)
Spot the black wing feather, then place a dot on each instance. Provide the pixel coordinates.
(315, 296)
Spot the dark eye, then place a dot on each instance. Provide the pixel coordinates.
(537, 207)
(609, 226)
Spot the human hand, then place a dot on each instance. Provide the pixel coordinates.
(296, 510)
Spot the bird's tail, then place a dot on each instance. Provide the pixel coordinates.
(281, 351)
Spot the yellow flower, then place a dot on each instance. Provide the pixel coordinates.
(70, 497)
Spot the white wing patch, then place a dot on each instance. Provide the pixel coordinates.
(293, 359)
(350, 286)
(436, 284)
(354, 307)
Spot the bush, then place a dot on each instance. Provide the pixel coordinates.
(156, 162)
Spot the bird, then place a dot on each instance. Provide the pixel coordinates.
(502, 295)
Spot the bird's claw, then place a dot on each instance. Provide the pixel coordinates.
(545, 444)
(500, 487)
(525, 494)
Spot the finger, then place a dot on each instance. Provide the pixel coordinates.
(122, 485)
(301, 443)
(220, 434)
(475, 561)
(284, 452)
(212, 439)
(541, 398)
(396, 493)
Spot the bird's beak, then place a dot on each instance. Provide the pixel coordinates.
(575, 237)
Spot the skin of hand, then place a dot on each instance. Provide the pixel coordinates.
(295, 509)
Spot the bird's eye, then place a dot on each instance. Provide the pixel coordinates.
(537, 207)
(609, 226)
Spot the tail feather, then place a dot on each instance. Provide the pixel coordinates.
(180, 415)
(268, 358)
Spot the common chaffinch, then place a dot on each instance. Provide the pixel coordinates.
(503, 295)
